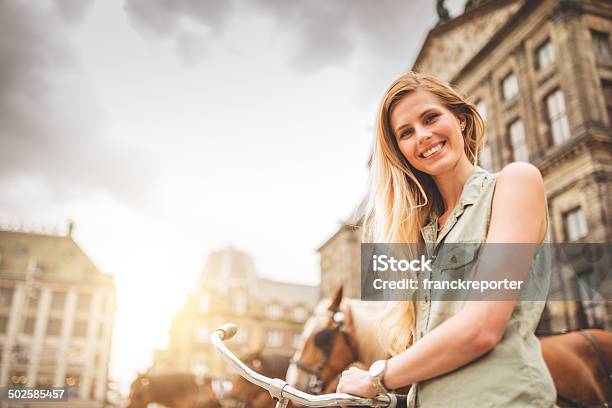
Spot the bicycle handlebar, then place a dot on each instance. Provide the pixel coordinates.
(281, 391)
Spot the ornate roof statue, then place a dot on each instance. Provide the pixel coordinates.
(442, 11)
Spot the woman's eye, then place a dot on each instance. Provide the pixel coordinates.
(406, 133)
(431, 118)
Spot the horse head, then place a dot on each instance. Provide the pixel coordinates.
(327, 346)
(140, 393)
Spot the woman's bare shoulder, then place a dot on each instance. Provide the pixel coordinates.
(520, 172)
(519, 204)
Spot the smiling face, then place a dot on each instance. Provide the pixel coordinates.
(428, 134)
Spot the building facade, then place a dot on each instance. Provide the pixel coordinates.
(340, 262)
(269, 314)
(540, 74)
(56, 317)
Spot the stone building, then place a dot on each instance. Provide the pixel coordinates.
(340, 262)
(56, 317)
(269, 314)
(540, 73)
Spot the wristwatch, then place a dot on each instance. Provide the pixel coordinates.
(377, 372)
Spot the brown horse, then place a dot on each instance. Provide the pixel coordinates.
(181, 390)
(329, 343)
(243, 393)
(577, 370)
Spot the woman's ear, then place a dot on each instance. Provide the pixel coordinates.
(462, 121)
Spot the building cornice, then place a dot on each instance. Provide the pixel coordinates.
(581, 143)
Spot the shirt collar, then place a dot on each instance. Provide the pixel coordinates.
(472, 187)
(470, 193)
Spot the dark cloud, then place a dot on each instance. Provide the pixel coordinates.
(329, 33)
(163, 16)
(73, 10)
(52, 136)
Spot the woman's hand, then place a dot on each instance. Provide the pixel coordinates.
(356, 382)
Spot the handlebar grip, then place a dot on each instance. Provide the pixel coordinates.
(228, 330)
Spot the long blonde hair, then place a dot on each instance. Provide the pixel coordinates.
(402, 198)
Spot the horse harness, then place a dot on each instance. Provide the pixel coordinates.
(606, 368)
(324, 341)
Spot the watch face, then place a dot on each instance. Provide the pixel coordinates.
(377, 368)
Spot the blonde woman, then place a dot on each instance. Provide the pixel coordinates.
(426, 187)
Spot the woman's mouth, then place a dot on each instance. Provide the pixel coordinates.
(432, 151)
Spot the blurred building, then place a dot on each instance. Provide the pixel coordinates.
(340, 261)
(56, 317)
(540, 73)
(269, 314)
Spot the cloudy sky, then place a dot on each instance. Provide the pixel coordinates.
(170, 129)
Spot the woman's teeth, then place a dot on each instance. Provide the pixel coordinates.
(432, 150)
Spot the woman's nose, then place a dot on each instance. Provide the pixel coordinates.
(422, 134)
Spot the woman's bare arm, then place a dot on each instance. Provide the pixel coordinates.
(518, 216)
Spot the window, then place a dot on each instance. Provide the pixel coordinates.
(587, 282)
(3, 323)
(21, 251)
(274, 311)
(54, 327)
(601, 45)
(509, 87)
(33, 297)
(481, 107)
(6, 296)
(545, 55)
(75, 356)
(485, 159)
(48, 357)
(57, 300)
(299, 314)
(21, 354)
(28, 325)
(274, 338)
(79, 329)
(240, 304)
(575, 224)
(517, 141)
(557, 117)
(83, 302)
(607, 90)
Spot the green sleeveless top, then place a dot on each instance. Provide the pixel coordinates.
(513, 374)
